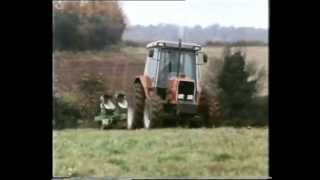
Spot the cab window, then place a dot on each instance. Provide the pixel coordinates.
(151, 64)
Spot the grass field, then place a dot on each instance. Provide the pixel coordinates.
(177, 152)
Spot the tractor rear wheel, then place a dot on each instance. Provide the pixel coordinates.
(153, 110)
(135, 110)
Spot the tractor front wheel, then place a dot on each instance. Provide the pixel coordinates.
(135, 109)
(152, 112)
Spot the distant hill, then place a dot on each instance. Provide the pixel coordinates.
(196, 34)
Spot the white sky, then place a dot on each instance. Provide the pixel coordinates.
(236, 13)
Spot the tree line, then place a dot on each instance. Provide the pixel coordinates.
(197, 34)
(90, 26)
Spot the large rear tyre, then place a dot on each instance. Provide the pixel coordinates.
(152, 114)
(135, 109)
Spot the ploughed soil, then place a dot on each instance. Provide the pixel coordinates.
(118, 69)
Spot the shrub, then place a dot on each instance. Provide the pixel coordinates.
(66, 34)
(237, 84)
(78, 108)
(91, 87)
(89, 27)
(66, 113)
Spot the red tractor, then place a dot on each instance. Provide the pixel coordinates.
(170, 88)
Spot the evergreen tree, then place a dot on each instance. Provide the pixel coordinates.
(237, 92)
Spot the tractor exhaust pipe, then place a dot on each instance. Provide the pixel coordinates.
(179, 57)
(178, 72)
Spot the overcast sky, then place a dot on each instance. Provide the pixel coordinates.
(253, 13)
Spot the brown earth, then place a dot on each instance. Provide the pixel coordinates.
(117, 68)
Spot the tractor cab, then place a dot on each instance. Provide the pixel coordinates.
(171, 65)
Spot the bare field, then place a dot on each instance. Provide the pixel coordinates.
(178, 152)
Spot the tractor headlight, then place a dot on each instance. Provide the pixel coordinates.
(189, 97)
(180, 96)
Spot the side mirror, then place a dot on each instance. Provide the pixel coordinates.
(205, 58)
(151, 53)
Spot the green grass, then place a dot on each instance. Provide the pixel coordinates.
(173, 152)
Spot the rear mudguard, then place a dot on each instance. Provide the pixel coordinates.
(146, 83)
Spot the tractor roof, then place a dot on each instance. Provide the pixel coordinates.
(173, 44)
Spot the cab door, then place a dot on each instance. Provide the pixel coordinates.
(152, 65)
